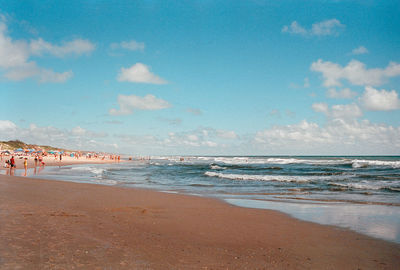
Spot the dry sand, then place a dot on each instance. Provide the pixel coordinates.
(47, 224)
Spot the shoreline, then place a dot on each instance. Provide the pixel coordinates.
(374, 219)
(49, 223)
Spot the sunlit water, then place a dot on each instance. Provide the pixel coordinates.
(359, 193)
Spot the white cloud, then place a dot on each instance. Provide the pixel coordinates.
(78, 131)
(139, 73)
(345, 93)
(344, 112)
(380, 100)
(127, 104)
(6, 125)
(355, 72)
(321, 107)
(15, 57)
(77, 47)
(12, 53)
(201, 141)
(326, 28)
(359, 50)
(330, 27)
(294, 28)
(303, 132)
(129, 45)
(338, 136)
(30, 69)
(348, 111)
(47, 75)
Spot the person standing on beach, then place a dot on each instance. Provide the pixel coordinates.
(36, 160)
(12, 165)
(12, 162)
(26, 165)
(60, 157)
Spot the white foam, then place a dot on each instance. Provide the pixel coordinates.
(376, 185)
(216, 167)
(106, 182)
(93, 170)
(256, 160)
(279, 178)
(361, 163)
(356, 163)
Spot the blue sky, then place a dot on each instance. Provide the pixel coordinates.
(202, 77)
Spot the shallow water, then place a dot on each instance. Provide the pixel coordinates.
(360, 193)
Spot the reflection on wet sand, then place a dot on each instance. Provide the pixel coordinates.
(289, 197)
(22, 172)
(381, 221)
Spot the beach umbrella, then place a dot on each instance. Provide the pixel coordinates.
(19, 150)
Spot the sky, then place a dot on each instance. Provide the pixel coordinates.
(202, 77)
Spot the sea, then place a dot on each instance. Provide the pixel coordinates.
(360, 193)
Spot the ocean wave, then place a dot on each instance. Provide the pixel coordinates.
(380, 185)
(92, 170)
(363, 163)
(107, 182)
(257, 160)
(278, 178)
(328, 161)
(216, 167)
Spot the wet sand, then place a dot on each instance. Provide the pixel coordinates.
(46, 224)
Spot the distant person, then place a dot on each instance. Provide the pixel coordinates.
(36, 160)
(60, 157)
(12, 162)
(26, 165)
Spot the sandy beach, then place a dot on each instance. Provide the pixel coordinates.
(46, 224)
(52, 161)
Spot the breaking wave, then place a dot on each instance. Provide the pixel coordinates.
(279, 178)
